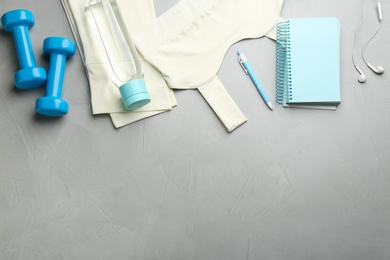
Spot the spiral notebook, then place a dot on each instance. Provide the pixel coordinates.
(308, 63)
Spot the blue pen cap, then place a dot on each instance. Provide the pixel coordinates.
(134, 94)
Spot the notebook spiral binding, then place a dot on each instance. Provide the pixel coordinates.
(283, 63)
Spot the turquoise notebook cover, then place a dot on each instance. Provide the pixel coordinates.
(314, 61)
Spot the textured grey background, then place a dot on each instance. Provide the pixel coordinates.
(288, 184)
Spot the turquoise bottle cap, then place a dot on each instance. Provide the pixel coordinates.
(134, 94)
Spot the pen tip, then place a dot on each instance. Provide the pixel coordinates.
(270, 106)
(239, 52)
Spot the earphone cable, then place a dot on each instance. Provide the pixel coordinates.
(356, 33)
(369, 40)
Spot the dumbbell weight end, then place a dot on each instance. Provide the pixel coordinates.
(51, 106)
(30, 78)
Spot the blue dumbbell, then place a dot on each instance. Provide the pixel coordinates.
(59, 49)
(18, 22)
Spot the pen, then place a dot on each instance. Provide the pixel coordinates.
(248, 70)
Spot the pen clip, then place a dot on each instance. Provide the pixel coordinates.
(242, 64)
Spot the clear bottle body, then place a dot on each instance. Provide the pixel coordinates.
(124, 65)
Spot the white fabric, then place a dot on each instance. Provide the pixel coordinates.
(223, 105)
(188, 43)
(105, 96)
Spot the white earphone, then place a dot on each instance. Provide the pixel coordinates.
(362, 78)
(380, 11)
(379, 69)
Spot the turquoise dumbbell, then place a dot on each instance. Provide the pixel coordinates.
(52, 104)
(18, 22)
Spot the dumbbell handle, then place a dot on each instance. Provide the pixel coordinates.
(55, 77)
(23, 46)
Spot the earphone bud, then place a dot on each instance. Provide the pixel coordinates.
(379, 11)
(377, 70)
(362, 78)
